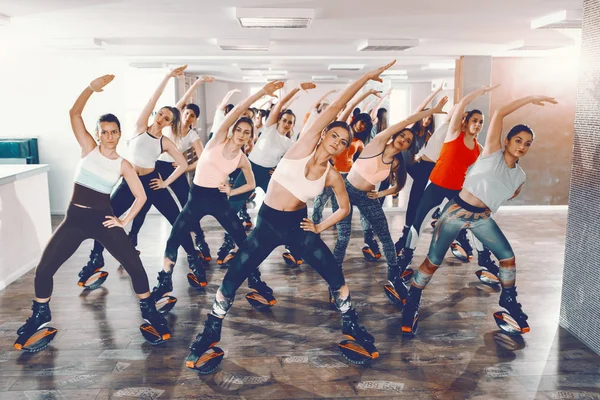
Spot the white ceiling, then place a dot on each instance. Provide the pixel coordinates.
(168, 32)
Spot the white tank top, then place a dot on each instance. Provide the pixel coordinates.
(144, 150)
(290, 175)
(183, 144)
(434, 145)
(492, 182)
(97, 172)
(270, 147)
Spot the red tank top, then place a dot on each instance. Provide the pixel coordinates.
(451, 167)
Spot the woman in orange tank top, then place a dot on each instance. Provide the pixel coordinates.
(459, 151)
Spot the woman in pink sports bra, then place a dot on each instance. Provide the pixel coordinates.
(282, 220)
(222, 155)
(381, 159)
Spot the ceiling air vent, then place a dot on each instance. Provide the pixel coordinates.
(275, 17)
(387, 44)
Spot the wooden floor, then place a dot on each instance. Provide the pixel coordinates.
(290, 351)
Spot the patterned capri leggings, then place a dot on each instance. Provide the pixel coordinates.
(459, 214)
(372, 210)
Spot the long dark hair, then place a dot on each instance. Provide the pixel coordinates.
(364, 135)
(418, 127)
(398, 173)
(382, 123)
(518, 129)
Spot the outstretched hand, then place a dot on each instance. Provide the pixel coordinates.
(271, 87)
(439, 107)
(97, 84)
(374, 74)
(113, 222)
(307, 85)
(178, 71)
(485, 89)
(540, 100)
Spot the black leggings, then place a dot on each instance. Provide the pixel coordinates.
(419, 172)
(180, 187)
(203, 201)
(432, 198)
(275, 228)
(262, 176)
(122, 199)
(81, 224)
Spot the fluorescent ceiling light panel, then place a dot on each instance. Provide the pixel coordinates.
(564, 19)
(274, 77)
(254, 78)
(440, 65)
(74, 43)
(324, 78)
(244, 44)
(148, 65)
(250, 67)
(394, 72)
(275, 72)
(346, 67)
(275, 17)
(397, 77)
(4, 20)
(387, 44)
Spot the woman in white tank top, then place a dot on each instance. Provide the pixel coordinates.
(494, 179)
(301, 175)
(145, 148)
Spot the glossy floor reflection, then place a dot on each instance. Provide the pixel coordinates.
(290, 351)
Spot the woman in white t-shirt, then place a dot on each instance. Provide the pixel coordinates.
(494, 179)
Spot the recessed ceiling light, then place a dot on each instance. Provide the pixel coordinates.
(387, 44)
(397, 77)
(4, 20)
(275, 17)
(254, 78)
(394, 72)
(346, 67)
(440, 65)
(244, 44)
(148, 65)
(274, 77)
(564, 19)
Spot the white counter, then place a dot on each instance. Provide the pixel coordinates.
(25, 225)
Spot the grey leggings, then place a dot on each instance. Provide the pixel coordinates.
(372, 210)
(458, 215)
(322, 199)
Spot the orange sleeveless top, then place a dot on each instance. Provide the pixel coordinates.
(344, 161)
(451, 167)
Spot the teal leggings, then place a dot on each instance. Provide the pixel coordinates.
(458, 215)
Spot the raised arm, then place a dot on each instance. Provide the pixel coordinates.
(317, 103)
(310, 137)
(379, 103)
(183, 100)
(344, 115)
(456, 120)
(493, 140)
(382, 138)
(274, 114)
(428, 99)
(221, 134)
(142, 123)
(226, 98)
(85, 140)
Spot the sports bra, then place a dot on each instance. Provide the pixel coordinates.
(213, 169)
(144, 150)
(97, 172)
(290, 175)
(371, 168)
